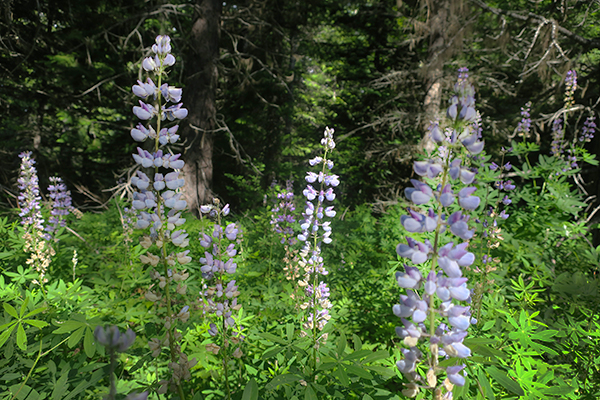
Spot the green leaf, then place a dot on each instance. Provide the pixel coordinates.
(488, 325)
(250, 391)
(10, 310)
(289, 330)
(69, 326)
(34, 312)
(25, 392)
(139, 364)
(272, 352)
(358, 354)
(342, 376)
(51, 367)
(36, 322)
(61, 386)
(282, 380)
(76, 337)
(309, 394)
(378, 355)
(77, 390)
(358, 371)
(326, 366)
(24, 307)
(505, 381)
(381, 370)
(272, 338)
(545, 336)
(21, 337)
(88, 343)
(485, 383)
(342, 341)
(357, 342)
(6, 334)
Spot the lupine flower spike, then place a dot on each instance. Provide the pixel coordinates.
(159, 205)
(29, 199)
(282, 214)
(61, 206)
(316, 231)
(570, 88)
(434, 322)
(589, 128)
(525, 124)
(219, 300)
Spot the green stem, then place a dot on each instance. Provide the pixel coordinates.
(40, 355)
(113, 387)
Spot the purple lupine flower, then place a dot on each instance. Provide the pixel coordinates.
(112, 338)
(282, 218)
(216, 265)
(524, 126)
(445, 280)
(29, 201)
(570, 88)
(589, 128)
(138, 396)
(61, 204)
(558, 134)
(29, 196)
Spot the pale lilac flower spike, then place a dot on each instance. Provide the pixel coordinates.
(432, 333)
(316, 231)
(158, 198)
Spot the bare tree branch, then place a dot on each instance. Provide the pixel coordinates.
(529, 16)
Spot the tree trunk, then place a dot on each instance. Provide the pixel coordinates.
(442, 27)
(199, 99)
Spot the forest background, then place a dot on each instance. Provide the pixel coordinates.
(261, 79)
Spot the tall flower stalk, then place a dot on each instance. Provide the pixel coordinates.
(316, 231)
(158, 201)
(60, 208)
(434, 321)
(219, 300)
(40, 251)
(282, 221)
